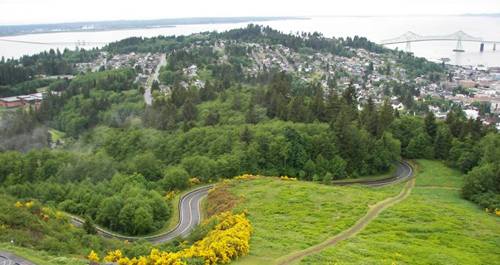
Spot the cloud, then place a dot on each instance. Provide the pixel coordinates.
(36, 11)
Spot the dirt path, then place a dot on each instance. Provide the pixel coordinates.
(372, 213)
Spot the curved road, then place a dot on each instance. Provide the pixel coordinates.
(189, 218)
(190, 214)
(403, 172)
(190, 211)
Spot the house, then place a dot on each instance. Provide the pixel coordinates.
(18, 101)
(398, 106)
(471, 114)
(11, 102)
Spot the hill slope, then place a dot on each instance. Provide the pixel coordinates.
(433, 226)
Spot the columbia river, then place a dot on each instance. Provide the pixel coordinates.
(376, 28)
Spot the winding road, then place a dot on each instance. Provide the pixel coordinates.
(189, 217)
(404, 171)
(190, 210)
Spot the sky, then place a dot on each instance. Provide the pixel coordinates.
(56, 11)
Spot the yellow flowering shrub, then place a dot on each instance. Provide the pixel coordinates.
(60, 215)
(287, 178)
(228, 240)
(28, 204)
(170, 195)
(93, 257)
(113, 256)
(246, 177)
(194, 181)
(497, 212)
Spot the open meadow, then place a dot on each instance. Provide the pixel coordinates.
(433, 226)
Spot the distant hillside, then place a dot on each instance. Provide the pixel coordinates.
(126, 24)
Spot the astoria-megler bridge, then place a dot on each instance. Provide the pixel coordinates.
(458, 36)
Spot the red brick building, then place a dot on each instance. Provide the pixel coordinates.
(19, 101)
(11, 102)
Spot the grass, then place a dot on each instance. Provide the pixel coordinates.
(40, 257)
(433, 226)
(291, 215)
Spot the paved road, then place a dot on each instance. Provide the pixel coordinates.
(190, 215)
(189, 218)
(7, 258)
(403, 172)
(148, 98)
(190, 212)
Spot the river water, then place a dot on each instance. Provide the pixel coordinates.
(374, 28)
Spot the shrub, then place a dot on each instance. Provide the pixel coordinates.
(227, 241)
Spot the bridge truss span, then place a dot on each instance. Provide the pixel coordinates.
(459, 36)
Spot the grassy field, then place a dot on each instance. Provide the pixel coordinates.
(293, 215)
(40, 257)
(433, 226)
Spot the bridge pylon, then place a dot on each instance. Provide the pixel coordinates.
(408, 46)
(459, 47)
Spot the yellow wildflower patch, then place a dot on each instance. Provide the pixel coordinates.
(227, 241)
(93, 257)
(245, 177)
(287, 178)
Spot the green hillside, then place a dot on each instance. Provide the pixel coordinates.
(433, 226)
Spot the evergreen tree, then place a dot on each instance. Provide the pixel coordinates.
(350, 96)
(251, 116)
(207, 92)
(369, 117)
(420, 146)
(212, 118)
(246, 136)
(309, 169)
(430, 125)
(442, 143)
(189, 111)
(386, 116)
(318, 108)
(332, 105)
(297, 111)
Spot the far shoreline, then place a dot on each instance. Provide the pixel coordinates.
(230, 20)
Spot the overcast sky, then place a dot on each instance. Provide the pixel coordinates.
(48, 11)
